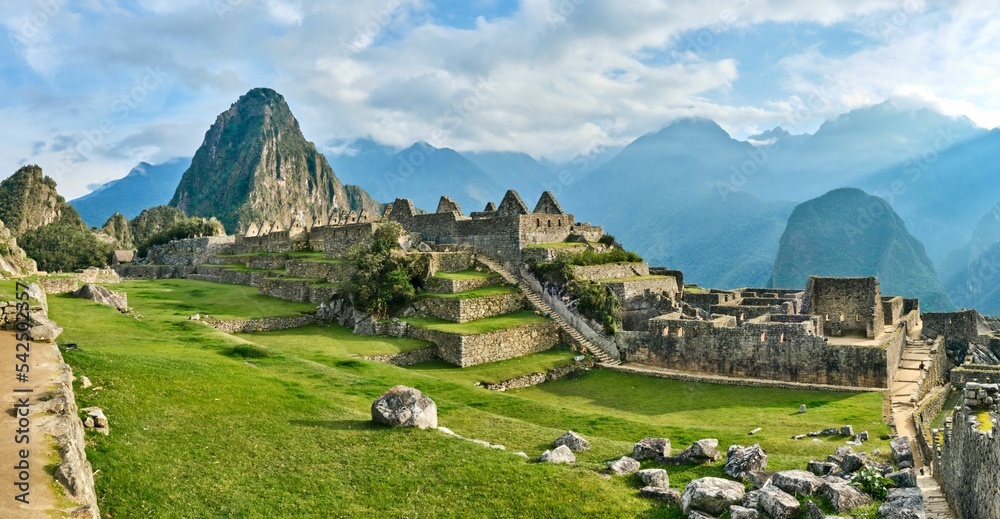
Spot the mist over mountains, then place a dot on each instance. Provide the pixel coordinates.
(691, 197)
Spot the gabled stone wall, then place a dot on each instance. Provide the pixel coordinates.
(852, 305)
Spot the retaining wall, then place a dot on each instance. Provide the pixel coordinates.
(262, 324)
(609, 271)
(465, 310)
(969, 468)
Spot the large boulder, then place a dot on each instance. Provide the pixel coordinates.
(44, 330)
(99, 294)
(654, 478)
(797, 482)
(711, 495)
(560, 454)
(573, 441)
(902, 503)
(740, 512)
(778, 504)
(623, 466)
(405, 406)
(902, 452)
(651, 448)
(821, 468)
(853, 462)
(905, 478)
(701, 451)
(842, 495)
(741, 460)
(667, 495)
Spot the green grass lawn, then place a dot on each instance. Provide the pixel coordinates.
(197, 432)
(320, 343)
(495, 372)
(493, 290)
(479, 326)
(465, 275)
(243, 268)
(185, 297)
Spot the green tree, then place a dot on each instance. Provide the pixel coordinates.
(599, 303)
(193, 227)
(384, 275)
(153, 220)
(65, 246)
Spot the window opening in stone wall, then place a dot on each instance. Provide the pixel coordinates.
(694, 333)
(857, 317)
(680, 332)
(550, 223)
(782, 339)
(763, 336)
(538, 222)
(666, 331)
(841, 317)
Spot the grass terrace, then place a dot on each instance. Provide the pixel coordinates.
(465, 275)
(632, 278)
(493, 290)
(278, 424)
(556, 245)
(479, 326)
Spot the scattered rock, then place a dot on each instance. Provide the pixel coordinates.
(802, 408)
(651, 448)
(560, 454)
(405, 406)
(701, 451)
(821, 468)
(778, 503)
(711, 495)
(573, 441)
(813, 511)
(44, 330)
(861, 436)
(85, 382)
(902, 503)
(853, 462)
(521, 454)
(798, 436)
(740, 460)
(195, 317)
(755, 431)
(667, 495)
(902, 452)
(96, 420)
(847, 430)
(498, 447)
(842, 495)
(832, 431)
(484, 443)
(739, 512)
(624, 466)
(797, 482)
(905, 478)
(654, 478)
(751, 499)
(102, 295)
(759, 478)
(694, 514)
(448, 431)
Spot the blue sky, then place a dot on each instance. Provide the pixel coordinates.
(89, 88)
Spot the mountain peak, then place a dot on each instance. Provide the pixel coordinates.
(255, 164)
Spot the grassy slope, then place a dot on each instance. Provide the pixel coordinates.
(198, 434)
(182, 297)
(489, 324)
(465, 274)
(479, 292)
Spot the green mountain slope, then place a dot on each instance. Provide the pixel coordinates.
(254, 165)
(847, 232)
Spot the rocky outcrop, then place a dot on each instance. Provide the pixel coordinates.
(651, 448)
(560, 454)
(255, 166)
(406, 407)
(573, 441)
(99, 294)
(28, 200)
(711, 495)
(13, 260)
(623, 466)
(740, 460)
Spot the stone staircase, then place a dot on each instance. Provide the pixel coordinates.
(935, 504)
(539, 304)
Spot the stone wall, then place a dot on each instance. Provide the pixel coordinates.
(266, 261)
(609, 271)
(966, 373)
(470, 350)
(454, 286)
(59, 285)
(852, 304)
(465, 310)
(773, 351)
(333, 272)
(535, 379)
(102, 276)
(924, 413)
(894, 346)
(408, 358)
(189, 252)
(134, 271)
(892, 309)
(287, 289)
(338, 240)
(263, 324)
(450, 261)
(969, 466)
(632, 293)
(545, 254)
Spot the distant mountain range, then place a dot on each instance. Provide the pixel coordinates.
(688, 196)
(146, 186)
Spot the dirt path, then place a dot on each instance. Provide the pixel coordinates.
(42, 499)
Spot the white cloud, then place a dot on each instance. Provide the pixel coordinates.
(285, 12)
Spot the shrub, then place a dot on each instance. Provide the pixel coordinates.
(560, 270)
(871, 482)
(385, 276)
(194, 227)
(65, 246)
(599, 303)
